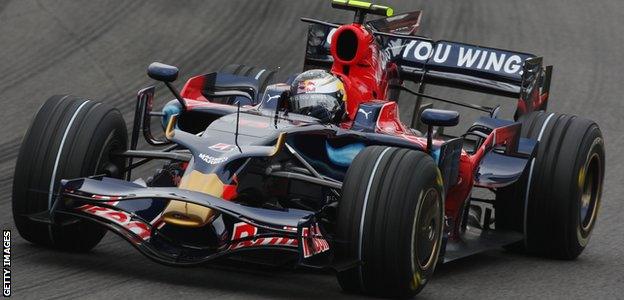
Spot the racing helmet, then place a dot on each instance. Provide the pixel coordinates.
(319, 94)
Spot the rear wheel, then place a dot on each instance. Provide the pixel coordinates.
(70, 137)
(564, 186)
(390, 219)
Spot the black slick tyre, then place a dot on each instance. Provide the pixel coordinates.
(69, 138)
(564, 186)
(390, 220)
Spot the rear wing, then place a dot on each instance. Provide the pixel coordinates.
(483, 69)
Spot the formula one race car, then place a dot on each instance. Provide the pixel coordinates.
(320, 167)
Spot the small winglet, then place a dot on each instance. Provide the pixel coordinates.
(362, 8)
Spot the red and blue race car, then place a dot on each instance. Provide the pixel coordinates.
(319, 170)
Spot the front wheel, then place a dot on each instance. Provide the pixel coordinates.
(390, 220)
(69, 138)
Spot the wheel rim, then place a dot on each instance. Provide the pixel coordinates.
(590, 181)
(427, 230)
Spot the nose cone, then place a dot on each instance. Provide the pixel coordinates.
(192, 215)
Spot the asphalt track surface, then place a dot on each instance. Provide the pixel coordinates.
(100, 49)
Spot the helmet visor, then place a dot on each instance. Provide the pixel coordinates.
(301, 103)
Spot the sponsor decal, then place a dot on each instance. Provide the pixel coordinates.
(244, 230)
(222, 147)
(394, 48)
(6, 263)
(464, 56)
(449, 54)
(211, 159)
(313, 241)
(365, 113)
(121, 218)
(272, 97)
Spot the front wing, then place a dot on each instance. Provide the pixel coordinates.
(135, 213)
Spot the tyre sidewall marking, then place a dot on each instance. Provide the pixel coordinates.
(364, 205)
(58, 158)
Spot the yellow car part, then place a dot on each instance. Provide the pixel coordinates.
(192, 215)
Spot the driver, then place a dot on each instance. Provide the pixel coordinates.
(318, 94)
